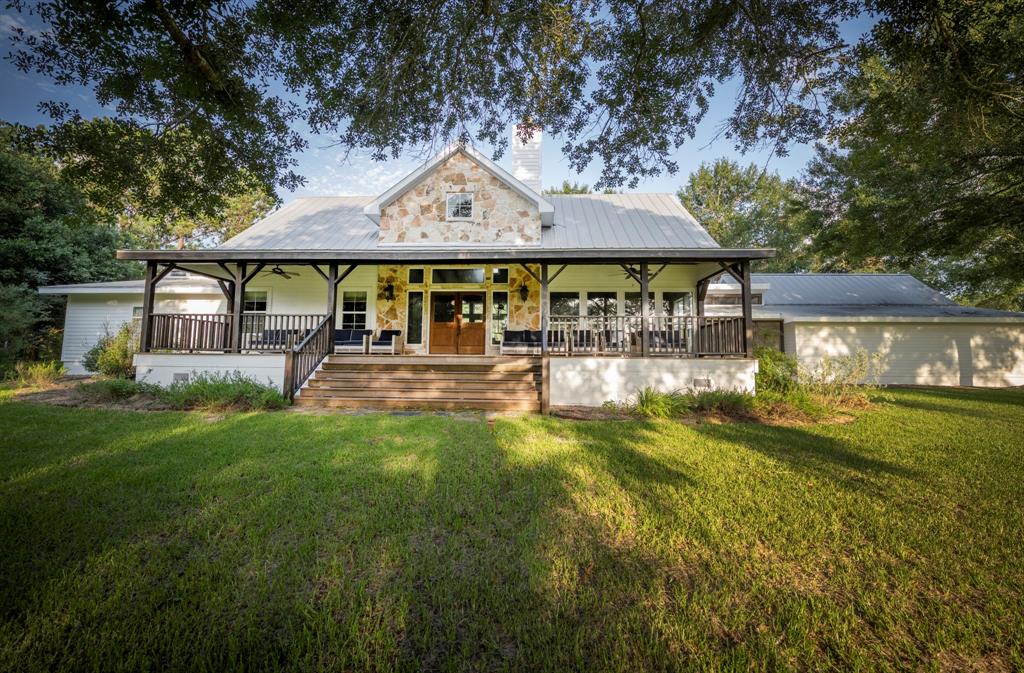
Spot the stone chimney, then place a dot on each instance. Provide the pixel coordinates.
(526, 160)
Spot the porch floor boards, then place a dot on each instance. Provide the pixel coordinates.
(433, 382)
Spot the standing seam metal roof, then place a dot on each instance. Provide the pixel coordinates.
(585, 221)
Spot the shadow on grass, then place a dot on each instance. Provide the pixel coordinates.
(819, 455)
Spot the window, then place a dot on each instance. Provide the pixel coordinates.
(602, 303)
(353, 310)
(136, 311)
(565, 303)
(676, 303)
(255, 301)
(414, 321)
(499, 315)
(499, 275)
(442, 276)
(633, 303)
(415, 276)
(460, 206)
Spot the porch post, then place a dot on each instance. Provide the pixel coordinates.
(543, 310)
(645, 311)
(702, 293)
(748, 312)
(146, 328)
(236, 308)
(332, 295)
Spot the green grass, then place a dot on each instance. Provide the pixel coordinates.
(171, 541)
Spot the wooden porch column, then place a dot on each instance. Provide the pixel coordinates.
(544, 310)
(332, 295)
(702, 294)
(146, 329)
(748, 311)
(645, 311)
(237, 301)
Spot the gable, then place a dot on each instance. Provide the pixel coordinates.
(501, 214)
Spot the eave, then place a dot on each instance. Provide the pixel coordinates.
(453, 256)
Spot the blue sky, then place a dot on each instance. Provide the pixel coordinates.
(327, 173)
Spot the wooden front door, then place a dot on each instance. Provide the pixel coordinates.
(458, 323)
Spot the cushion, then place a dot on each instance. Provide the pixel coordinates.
(387, 336)
(512, 336)
(342, 335)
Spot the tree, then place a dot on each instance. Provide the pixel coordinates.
(623, 83)
(927, 174)
(744, 208)
(48, 235)
(238, 212)
(569, 188)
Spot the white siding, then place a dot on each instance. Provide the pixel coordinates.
(949, 353)
(307, 292)
(160, 368)
(90, 316)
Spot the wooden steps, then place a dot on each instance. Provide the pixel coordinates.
(429, 382)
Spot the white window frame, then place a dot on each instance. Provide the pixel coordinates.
(365, 312)
(254, 290)
(448, 207)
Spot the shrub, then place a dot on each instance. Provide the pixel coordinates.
(218, 392)
(777, 372)
(843, 380)
(656, 404)
(38, 373)
(728, 402)
(112, 355)
(116, 390)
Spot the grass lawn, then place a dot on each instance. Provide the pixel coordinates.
(266, 541)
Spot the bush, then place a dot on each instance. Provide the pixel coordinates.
(777, 372)
(116, 390)
(38, 373)
(728, 402)
(843, 380)
(219, 392)
(656, 404)
(112, 355)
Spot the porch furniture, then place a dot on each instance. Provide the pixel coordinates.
(352, 340)
(276, 339)
(389, 342)
(520, 342)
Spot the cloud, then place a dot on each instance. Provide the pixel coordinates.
(11, 24)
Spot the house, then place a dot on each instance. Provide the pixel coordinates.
(923, 337)
(461, 285)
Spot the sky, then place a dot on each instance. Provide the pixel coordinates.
(328, 173)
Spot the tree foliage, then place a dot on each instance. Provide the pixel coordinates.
(622, 83)
(48, 235)
(745, 208)
(569, 188)
(927, 174)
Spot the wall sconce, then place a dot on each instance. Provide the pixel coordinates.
(524, 292)
(389, 292)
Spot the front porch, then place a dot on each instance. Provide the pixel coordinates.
(589, 310)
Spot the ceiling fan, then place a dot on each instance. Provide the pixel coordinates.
(278, 271)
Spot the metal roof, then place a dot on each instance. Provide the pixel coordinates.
(581, 222)
(171, 285)
(810, 297)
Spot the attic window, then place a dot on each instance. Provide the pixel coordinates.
(460, 206)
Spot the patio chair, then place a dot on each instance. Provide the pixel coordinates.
(389, 342)
(519, 342)
(352, 340)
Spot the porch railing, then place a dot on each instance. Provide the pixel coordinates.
(304, 357)
(667, 335)
(211, 332)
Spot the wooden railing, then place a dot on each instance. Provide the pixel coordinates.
(191, 332)
(667, 335)
(201, 332)
(304, 357)
(276, 332)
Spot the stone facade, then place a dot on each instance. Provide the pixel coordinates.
(391, 312)
(523, 314)
(500, 214)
